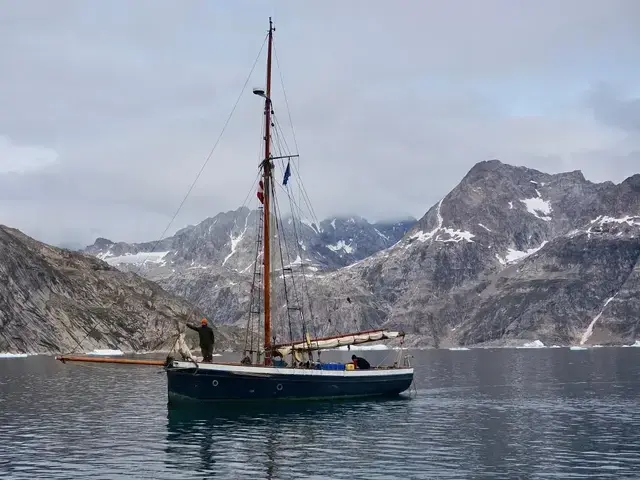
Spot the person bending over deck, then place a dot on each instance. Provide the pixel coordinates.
(207, 339)
(360, 363)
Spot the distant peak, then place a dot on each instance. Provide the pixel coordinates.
(485, 166)
(397, 220)
(573, 175)
(102, 242)
(350, 218)
(633, 181)
(494, 162)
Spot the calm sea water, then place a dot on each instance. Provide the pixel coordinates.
(540, 413)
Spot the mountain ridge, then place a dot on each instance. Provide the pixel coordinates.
(533, 217)
(54, 300)
(476, 240)
(509, 256)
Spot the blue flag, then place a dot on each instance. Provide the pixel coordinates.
(287, 173)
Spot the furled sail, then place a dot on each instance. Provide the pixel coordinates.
(326, 343)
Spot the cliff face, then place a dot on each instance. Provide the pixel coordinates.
(510, 254)
(53, 300)
(211, 264)
(228, 240)
(514, 254)
(577, 289)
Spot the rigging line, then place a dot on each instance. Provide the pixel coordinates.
(281, 134)
(286, 100)
(255, 182)
(303, 192)
(295, 207)
(305, 197)
(364, 320)
(193, 303)
(302, 267)
(305, 285)
(253, 324)
(199, 173)
(295, 140)
(237, 213)
(281, 143)
(284, 94)
(255, 292)
(215, 145)
(278, 233)
(282, 239)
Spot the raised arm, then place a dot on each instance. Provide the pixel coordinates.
(192, 327)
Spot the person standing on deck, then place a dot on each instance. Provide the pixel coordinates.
(207, 339)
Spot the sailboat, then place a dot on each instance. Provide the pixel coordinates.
(264, 372)
(269, 368)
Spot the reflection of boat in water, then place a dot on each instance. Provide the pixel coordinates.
(254, 440)
(281, 359)
(188, 416)
(264, 372)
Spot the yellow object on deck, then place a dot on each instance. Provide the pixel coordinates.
(349, 366)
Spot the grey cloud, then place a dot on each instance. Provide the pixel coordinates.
(392, 103)
(16, 159)
(611, 108)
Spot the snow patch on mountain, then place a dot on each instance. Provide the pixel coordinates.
(589, 331)
(422, 236)
(441, 233)
(104, 255)
(139, 258)
(341, 245)
(514, 255)
(454, 236)
(311, 225)
(297, 261)
(629, 220)
(538, 206)
(381, 234)
(236, 240)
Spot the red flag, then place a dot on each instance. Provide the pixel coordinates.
(261, 192)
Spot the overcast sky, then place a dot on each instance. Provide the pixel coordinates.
(109, 109)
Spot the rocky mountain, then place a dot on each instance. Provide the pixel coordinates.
(511, 254)
(228, 240)
(53, 300)
(211, 264)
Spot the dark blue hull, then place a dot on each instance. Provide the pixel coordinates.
(214, 385)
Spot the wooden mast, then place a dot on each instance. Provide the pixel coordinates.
(266, 176)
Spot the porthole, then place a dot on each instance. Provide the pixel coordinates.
(279, 387)
(214, 383)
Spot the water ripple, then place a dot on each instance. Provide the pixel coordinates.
(504, 414)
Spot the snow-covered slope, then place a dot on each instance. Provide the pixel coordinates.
(228, 240)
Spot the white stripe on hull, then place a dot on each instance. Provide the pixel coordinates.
(267, 371)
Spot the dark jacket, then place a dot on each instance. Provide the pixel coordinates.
(206, 335)
(361, 363)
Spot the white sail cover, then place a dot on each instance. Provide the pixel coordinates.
(338, 341)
